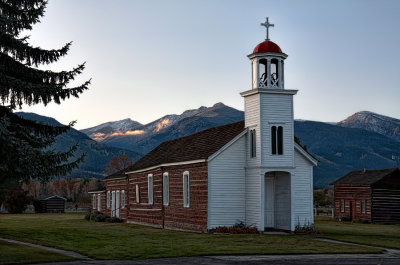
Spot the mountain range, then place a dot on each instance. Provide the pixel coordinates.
(363, 140)
(97, 154)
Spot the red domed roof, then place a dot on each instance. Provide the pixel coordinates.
(267, 46)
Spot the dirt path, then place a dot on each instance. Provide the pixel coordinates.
(56, 250)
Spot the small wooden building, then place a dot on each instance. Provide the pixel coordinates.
(53, 204)
(369, 195)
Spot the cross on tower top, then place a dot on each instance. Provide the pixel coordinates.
(267, 25)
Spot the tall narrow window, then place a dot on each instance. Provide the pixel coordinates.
(280, 140)
(137, 194)
(150, 188)
(342, 206)
(363, 206)
(113, 203)
(108, 199)
(277, 140)
(165, 189)
(273, 139)
(94, 201)
(99, 202)
(186, 189)
(253, 143)
(123, 199)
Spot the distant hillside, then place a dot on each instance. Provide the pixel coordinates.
(373, 122)
(98, 154)
(144, 138)
(341, 150)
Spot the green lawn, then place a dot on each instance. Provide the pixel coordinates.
(128, 241)
(11, 253)
(369, 234)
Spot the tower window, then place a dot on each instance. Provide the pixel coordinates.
(253, 143)
(277, 140)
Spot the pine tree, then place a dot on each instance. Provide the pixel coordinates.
(25, 145)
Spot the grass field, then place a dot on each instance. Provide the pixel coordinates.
(11, 253)
(128, 241)
(369, 234)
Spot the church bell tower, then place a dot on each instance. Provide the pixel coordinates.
(269, 108)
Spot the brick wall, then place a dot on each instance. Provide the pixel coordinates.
(174, 215)
(352, 196)
(117, 185)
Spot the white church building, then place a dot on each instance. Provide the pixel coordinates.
(251, 171)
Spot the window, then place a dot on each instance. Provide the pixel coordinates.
(363, 206)
(99, 202)
(342, 206)
(165, 189)
(113, 203)
(252, 143)
(108, 199)
(150, 188)
(277, 140)
(123, 199)
(94, 201)
(186, 189)
(137, 194)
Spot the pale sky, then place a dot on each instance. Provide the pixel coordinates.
(150, 58)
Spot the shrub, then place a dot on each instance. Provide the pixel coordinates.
(238, 228)
(87, 216)
(307, 228)
(115, 220)
(16, 200)
(100, 218)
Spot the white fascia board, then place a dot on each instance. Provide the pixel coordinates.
(96, 191)
(168, 165)
(268, 91)
(305, 154)
(237, 137)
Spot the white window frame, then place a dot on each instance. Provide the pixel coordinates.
(99, 202)
(113, 204)
(166, 189)
(94, 201)
(137, 193)
(342, 206)
(186, 189)
(150, 187)
(108, 199)
(123, 199)
(363, 206)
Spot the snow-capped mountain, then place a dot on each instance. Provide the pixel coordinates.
(146, 137)
(373, 122)
(103, 130)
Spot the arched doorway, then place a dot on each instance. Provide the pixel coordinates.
(277, 212)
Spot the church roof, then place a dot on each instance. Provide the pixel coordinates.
(364, 177)
(267, 46)
(196, 146)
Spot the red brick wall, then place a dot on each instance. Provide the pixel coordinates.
(175, 215)
(102, 202)
(114, 185)
(353, 197)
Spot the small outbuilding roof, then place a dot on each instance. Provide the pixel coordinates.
(364, 177)
(44, 198)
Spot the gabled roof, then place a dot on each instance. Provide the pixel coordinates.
(116, 175)
(364, 177)
(193, 147)
(43, 198)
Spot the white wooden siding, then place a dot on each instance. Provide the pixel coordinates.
(252, 120)
(303, 191)
(277, 110)
(253, 197)
(226, 186)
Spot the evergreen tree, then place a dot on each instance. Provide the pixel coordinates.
(25, 145)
